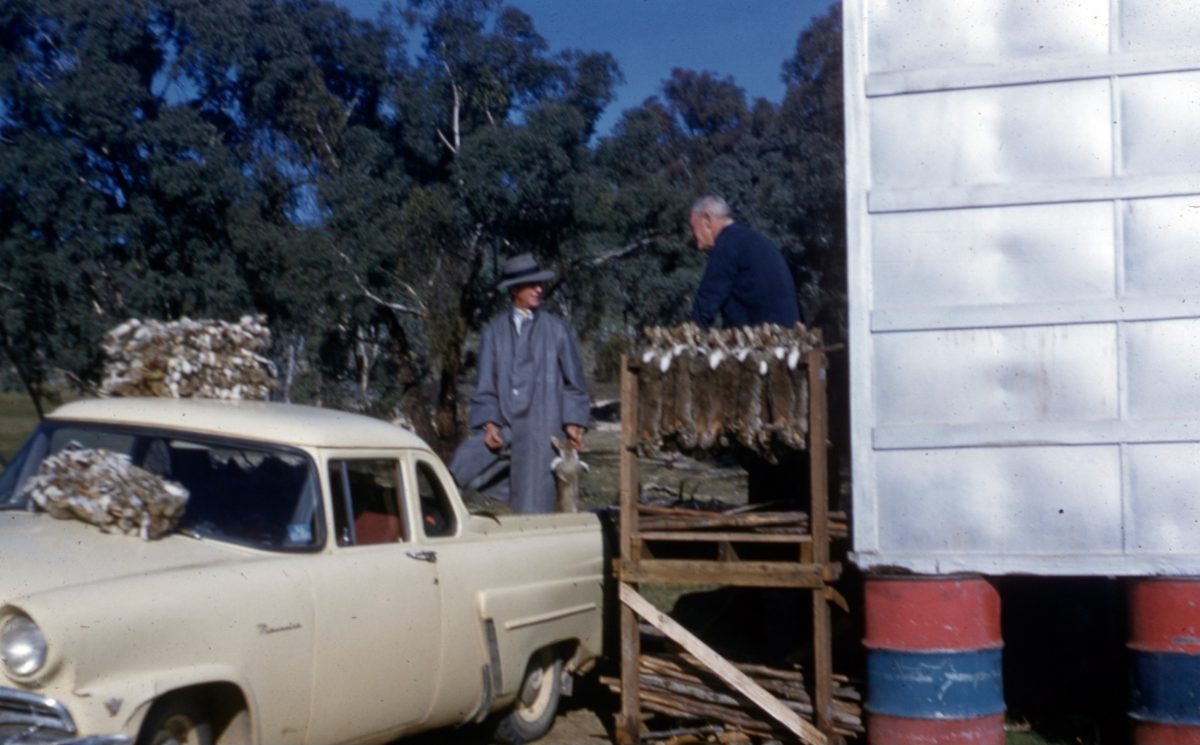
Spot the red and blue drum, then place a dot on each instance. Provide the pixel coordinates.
(1164, 616)
(933, 661)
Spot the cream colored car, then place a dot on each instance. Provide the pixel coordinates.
(325, 585)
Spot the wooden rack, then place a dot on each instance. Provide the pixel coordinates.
(812, 569)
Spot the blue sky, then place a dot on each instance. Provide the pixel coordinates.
(745, 39)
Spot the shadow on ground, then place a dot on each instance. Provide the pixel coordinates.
(584, 718)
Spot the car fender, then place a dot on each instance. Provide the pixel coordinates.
(564, 611)
(126, 700)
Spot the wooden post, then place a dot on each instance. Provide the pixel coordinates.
(630, 719)
(818, 436)
(634, 566)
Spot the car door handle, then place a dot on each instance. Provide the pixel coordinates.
(430, 556)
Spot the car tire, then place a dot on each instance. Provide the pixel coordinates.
(176, 721)
(537, 704)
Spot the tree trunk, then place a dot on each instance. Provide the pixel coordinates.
(446, 418)
(413, 404)
(31, 387)
(449, 426)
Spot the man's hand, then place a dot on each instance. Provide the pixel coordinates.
(575, 435)
(491, 436)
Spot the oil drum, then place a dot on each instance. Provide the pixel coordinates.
(933, 661)
(1164, 614)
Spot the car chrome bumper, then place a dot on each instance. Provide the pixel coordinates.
(30, 719)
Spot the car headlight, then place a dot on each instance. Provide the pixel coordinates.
(22, 646)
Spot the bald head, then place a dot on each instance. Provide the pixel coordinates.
(709, 216)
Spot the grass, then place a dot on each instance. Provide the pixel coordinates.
(671, 475)
(1031, 738)
(676, 475)
(1019, 732)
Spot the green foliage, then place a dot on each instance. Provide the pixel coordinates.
(161, 158)
(17, 421)
(814, 166)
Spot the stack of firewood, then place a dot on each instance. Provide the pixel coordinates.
(105, 489)
(678, 686)
(744, 518)
(723, 388)
(189, 359)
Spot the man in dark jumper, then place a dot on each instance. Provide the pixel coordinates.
(748, 282)
(746, 279)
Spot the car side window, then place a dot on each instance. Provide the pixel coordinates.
(437, 515)
(366, 495)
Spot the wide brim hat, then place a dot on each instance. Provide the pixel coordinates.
(522, 270)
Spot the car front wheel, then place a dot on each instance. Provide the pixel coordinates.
(535, 708)
(176, 722)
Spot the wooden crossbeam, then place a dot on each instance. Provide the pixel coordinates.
(721, 667)
(710, 536)
(740, 573)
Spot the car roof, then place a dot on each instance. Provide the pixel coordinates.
(288, 424)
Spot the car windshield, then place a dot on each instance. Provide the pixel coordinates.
(246, 493)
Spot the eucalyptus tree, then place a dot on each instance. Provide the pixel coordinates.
(779, 166)
(216, 157)
(116, 200)
(160, 158)
(482, 153)
(813, 142)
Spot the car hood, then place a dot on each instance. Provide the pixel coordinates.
(40, 553)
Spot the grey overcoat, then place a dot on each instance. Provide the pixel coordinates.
(531, 385)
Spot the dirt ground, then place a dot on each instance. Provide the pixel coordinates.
(582, 720)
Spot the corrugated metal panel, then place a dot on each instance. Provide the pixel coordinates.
(1017, 500)
(946, 33)
(1163, 358)
(1152, 25)
(995, 255)
(1023, 195)
(1160, 247)
(1160, 123)
(1164, 478)
(991, 135)
(1047, 373)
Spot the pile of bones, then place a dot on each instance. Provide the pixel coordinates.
(176, 359)
(103, 488)
(189, 359)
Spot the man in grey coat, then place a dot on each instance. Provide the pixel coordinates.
(530, 387)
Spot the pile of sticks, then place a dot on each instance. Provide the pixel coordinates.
(105, 489)
(743, 518)
(678, 686)
(189, 359)
(719, 389)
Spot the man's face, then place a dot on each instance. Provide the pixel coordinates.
(703, 230)
(527, 296)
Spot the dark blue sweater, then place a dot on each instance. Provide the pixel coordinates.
(746, 281)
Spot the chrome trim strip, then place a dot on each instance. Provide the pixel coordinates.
(554, 615)
(45, 737)
(19, 707)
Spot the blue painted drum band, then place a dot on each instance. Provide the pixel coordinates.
(935, 685)
(1166, 687)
